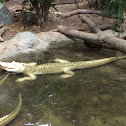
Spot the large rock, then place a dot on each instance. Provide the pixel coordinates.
(5, 15)
(26, 42)
(110, 32)
(53, 39)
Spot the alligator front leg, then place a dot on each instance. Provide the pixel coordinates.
(30, 77)
(68, 72)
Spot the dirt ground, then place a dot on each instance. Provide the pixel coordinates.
(21, 26)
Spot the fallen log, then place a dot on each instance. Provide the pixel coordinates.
(123, 35)
(101, 27)
(105, 41)
(91, 24)
(93, 28)
(78, 11)
(83, 11)
(77, 34)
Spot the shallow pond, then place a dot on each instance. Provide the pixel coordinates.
(92, 97)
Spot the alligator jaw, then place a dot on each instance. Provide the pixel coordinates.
(12, 67)
(6, 65)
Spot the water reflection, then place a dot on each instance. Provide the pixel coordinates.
(93, 97)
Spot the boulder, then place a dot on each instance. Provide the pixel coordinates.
(5, 15)
(110, 32)
(28, 42)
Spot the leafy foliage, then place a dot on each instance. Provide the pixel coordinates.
(1, 1)
(41, 8)
(114, 7)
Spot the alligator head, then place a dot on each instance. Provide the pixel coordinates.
(12, 66)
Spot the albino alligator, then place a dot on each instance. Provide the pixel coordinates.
(6, 119)
(31, 69)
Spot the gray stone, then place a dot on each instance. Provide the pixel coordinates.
(5, 15)
(110, 32)
(26, 42)
(54, 39)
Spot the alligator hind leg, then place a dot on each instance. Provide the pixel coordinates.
(30, 77)
(68, 72)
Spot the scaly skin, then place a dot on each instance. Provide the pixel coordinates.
(8, 118)
(32, 69)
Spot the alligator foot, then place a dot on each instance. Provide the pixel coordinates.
(65, 76)
(21, 79)
(31, 77)
(68, 72)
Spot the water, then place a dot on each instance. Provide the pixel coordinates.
(92, 97)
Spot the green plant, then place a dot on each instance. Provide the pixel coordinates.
(1, 1)
(41, 9)
(113, 7)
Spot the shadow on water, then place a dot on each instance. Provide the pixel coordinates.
(93, 97)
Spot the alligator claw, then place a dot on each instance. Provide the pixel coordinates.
(65, 76)
(20, 80)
